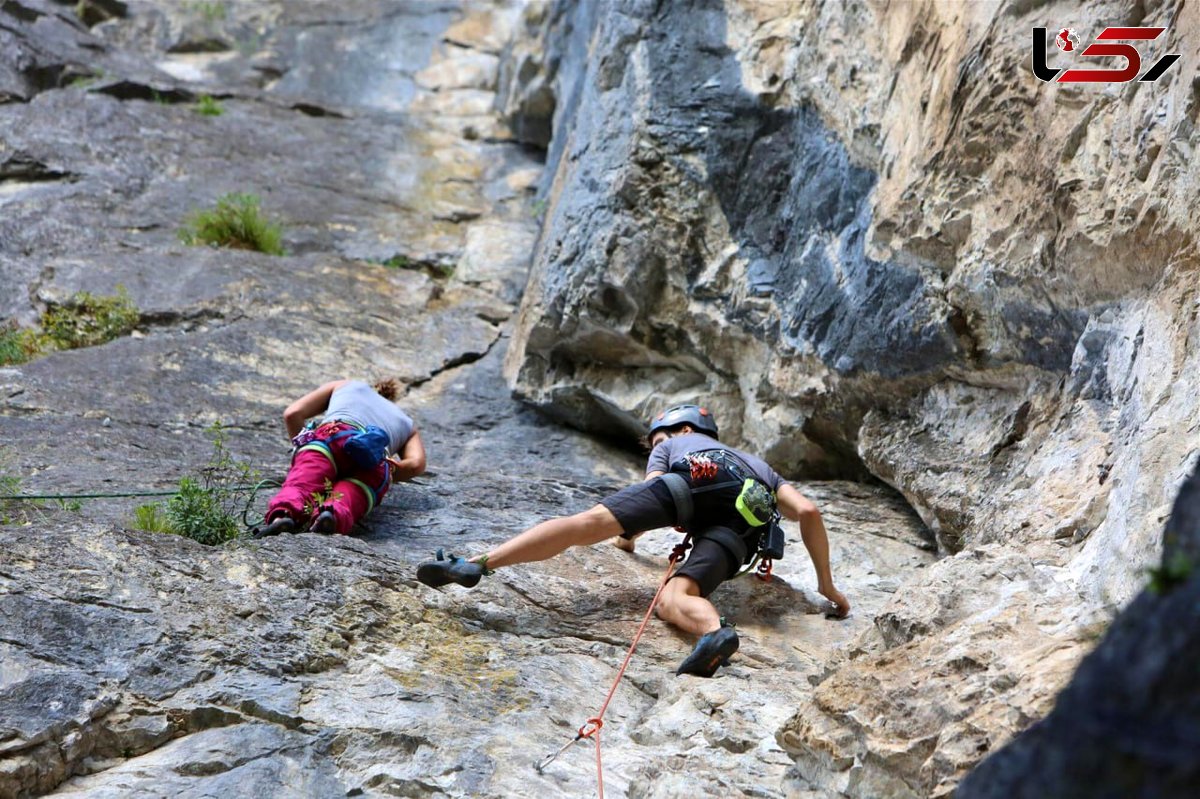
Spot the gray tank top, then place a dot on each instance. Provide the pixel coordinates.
(358, 403)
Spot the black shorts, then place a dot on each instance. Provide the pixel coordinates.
(642, 506)
(709, 564)
(648, 505)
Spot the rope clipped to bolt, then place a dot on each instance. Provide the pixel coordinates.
(591, 728)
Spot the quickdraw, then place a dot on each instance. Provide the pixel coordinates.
(702, 467)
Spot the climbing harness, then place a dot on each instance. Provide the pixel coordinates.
(755, 503)
(366, 446)
(591, 728)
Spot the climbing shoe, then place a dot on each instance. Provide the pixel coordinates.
(325, 523)
(280, 524)
(710, 653)
(436, 573)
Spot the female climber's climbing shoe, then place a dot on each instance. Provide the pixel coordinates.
(326, 523)
(436, 573)
(710, 653)
(280, 524)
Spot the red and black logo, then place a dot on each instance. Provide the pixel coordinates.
(1105, 45)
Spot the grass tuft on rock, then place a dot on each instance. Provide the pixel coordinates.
(152, 519)
(86, 320)
(436, 269)
(207, 106)
(237, 223)
(18, 344)
(11, 510)
(83, 320)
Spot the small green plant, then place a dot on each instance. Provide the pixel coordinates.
(538, 208)
(440, 269)
(1173, 573)
(208, 507)
(208, 107)
(152, 519)
(210, 12)
(18, 344)
(86, 319)
(11, 511)
(196, 512)
(238, 223)
(84, 81)
(321, 498)
(16, 511)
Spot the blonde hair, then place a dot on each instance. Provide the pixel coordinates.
(388, 388)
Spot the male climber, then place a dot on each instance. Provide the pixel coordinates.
(722, 496)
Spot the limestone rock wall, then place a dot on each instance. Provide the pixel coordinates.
(134, 663)
(829, 220)
(875, 244)
(1126, 725)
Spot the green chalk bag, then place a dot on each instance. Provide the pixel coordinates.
(756, 503)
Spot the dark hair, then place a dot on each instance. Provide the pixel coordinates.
(670, 431)
(388, 388)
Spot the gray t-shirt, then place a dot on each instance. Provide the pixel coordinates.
(359, 403)
(671, 450)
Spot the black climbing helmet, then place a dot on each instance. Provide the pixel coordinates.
(699, 418)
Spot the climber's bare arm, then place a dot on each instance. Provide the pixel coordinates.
(800, 508)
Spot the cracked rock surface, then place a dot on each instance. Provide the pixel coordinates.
(872, 251)
(140, 664)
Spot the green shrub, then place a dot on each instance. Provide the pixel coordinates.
(18, 344)
(238, 223)
(208, 507)
(85, 320)
(209, 107)
(197, 513)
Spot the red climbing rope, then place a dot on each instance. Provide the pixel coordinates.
(591, 728)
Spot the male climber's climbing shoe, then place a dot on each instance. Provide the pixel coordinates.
(326, 523)
(710, 653)
(436, 573)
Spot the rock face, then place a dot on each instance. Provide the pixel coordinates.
(1126, 725)
(876, 245)
(865, 236)
(133, 663)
